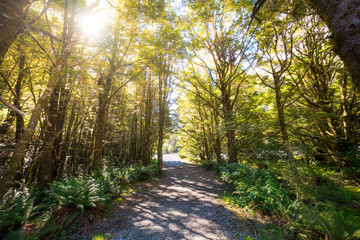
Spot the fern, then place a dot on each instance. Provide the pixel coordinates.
(80, 193)
(16, 207)
(256, 189)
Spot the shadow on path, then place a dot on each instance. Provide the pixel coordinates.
(183, 204)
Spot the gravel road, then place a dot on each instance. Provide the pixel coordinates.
(183, 204)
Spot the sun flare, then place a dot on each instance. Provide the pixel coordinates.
(93, 24)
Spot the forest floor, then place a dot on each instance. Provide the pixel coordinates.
(183, 204)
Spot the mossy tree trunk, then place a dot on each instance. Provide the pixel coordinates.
(11, 23)
(343, 20)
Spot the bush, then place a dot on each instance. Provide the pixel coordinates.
(325, 215)
(114, 177)
(140, 173)
(325, 219)
(68, 205)
(80, 193)
(256, 189)
(16, 207)
(210, 165)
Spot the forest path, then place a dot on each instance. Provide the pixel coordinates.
(183, 204)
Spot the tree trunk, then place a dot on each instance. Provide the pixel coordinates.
(60, 122)
(101, 123)
(343, 20)
(281, 114)
(217, 146)
(133, 139)
(14, 163)
(204, 135)
(19, 118)
(162, 105)
(11, 23)
(45, 161)
(5, 126)
(284, 134)
(73, 150)
(229, 126)
(69, 132)
(148, 120)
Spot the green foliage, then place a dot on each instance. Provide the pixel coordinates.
(100, 237)
(80, 193)
(94, 191)
(210, 165)
(170, 145)
(140, 173)
(315, 173)
(16, 207)
(324, 213)
(256, 189)
(114, 177)
(89, 195)
(325, 218)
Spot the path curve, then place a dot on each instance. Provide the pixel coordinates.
(184, 204)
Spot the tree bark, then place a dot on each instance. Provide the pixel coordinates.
(229, 126)
(280, 111)
(204, 135)
(148, 121)
(69, 132)
(19, 117)
(101, 123)
(60, 122)
(217, 146)
(5, 126)
(45, 161)
(11, 23)
(343, 20)
(134, 138)
(162, 104)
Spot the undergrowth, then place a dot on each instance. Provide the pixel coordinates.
(68, 205)
(325, 209)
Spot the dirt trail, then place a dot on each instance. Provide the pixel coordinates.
(184, 204)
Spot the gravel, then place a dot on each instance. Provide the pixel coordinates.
(183, 204)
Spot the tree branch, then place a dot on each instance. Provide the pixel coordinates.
(11, 106)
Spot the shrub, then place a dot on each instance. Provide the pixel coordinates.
(147, 173)
(68, 205)
(141, 173)
(325, 215)
(114, 177)
(80, 193)
(256, 189)
(16, 207)
(210, 165)
(326, 219)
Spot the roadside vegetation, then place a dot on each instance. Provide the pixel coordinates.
(69, 206)
(326, 208)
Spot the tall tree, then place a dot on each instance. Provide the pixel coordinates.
(227, 46)
(21, 145)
